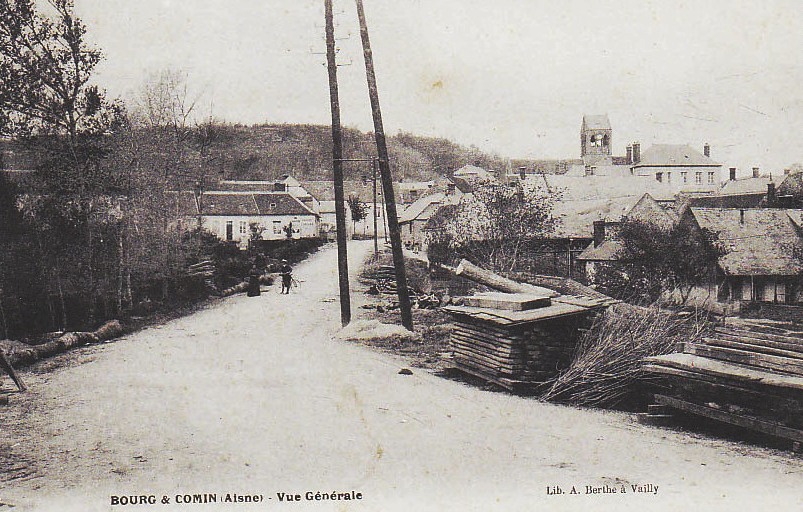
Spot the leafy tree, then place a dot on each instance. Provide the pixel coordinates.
(654, 260)
(359, 210)
(46, 97)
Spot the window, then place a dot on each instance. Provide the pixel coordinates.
(711, 178)
(659, 177)
(669, 177)
(684, 176)
(698, 178)
(277, 227)
(243, 227)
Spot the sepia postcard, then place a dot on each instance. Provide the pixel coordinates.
(416, 255)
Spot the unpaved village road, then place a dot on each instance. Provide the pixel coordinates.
(252, 395)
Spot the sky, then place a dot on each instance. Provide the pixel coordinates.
(509, 76)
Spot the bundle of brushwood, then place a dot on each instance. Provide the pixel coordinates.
(608, 361)
(747, 374)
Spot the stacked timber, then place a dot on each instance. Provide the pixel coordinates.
(749, 375)
(204, 270)
(517, 340)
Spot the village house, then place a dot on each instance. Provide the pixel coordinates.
(606, 247)
(238, 217)
(416, 216)
(762, 260)
(362, 191)
(679, 165)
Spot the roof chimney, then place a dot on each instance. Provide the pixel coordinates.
(522, 173)
(599, 232)
(741, 217)
(771, 198)
(707, 149)
(629, 156)
(636, 152)
(732, 176)
(755, 172)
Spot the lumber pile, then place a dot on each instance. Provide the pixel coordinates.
(750, 375)
(517, 341)
(204, 270)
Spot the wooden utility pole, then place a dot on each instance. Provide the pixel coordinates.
(387, 177)
(337, 169)
(375, 165)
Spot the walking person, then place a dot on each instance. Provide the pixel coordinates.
(253, 281)
(287, 276)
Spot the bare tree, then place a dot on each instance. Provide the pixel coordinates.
(492, 226)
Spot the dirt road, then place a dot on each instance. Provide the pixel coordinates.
(253, 396)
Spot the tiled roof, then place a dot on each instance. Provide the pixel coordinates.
(280, 203)
(577, 216)
(608, 250)
(228, 204)
(596, 122)
(473, 170)
(604, 187)
(325, 190)
(417, 208)
(463, 184)
(441, 217)
(239, 204)
(722, 201)
(792, 185)
(667, 155)
(764, 241)
(650, 211)
(746, 186)
(246, 186)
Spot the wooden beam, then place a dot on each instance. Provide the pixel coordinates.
(758, 425)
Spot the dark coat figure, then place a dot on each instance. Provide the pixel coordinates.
(287, 276)
(253, 282)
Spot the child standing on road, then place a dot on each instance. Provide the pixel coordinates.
(287, 276)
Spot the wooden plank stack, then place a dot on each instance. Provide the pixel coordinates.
(749, 375)
(517, 341)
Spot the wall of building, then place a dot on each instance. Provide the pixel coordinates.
(304, 226)
(710, 178)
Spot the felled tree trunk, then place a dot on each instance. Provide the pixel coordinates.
(479, 275)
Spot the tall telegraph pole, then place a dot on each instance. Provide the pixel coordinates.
(337, 168)
(387, 177)
(374, 166)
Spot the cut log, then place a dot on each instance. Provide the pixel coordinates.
(109, 330)
(479, 275)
